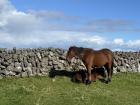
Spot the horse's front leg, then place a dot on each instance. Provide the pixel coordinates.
(88, 81)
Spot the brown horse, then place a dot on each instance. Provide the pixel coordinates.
(93, 58)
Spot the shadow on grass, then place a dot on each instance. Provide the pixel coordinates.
(66, 73)
(78, 76)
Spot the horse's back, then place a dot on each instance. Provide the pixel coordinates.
(107, 52)
(102, 56)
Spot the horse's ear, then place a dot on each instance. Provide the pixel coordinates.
(74, 46)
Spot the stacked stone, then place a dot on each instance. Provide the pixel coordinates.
(30, 62)
(39, 61)
(126, 61)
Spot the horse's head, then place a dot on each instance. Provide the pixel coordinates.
(72, 52)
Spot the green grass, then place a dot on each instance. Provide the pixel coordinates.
(123, 90)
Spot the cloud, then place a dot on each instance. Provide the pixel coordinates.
(62, 39)
(109, 25)
(133, 44)
(53, 15)
(56, 29)
(119, 41)
(110, 22)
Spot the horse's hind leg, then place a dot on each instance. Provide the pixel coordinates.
(106, 75)
(109, 72)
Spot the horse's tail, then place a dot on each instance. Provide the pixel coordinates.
(112, 60)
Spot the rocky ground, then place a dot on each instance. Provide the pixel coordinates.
(39, 61)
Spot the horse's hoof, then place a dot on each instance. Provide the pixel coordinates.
(109, 80)
(106, 82)
(88, 82)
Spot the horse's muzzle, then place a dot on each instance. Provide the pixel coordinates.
(69, 61)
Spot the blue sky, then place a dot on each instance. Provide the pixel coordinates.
(113, 24)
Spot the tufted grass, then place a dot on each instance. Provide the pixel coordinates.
(123, 90)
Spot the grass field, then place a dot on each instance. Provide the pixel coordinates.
(123, 90)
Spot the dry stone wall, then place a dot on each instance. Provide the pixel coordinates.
(40, 61)
(126, 61)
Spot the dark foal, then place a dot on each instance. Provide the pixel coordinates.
(81, 76)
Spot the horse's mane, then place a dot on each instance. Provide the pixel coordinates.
(80, 49)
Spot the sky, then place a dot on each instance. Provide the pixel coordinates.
(96, 24)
